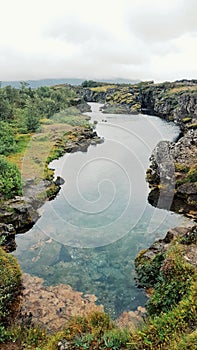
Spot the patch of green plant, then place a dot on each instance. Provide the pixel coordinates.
(7, 139)
(192, 174)
(190, 238)
(162, 330)
(174, 282)
(22, 141)
(148, 269)
(5, 334)
(182, 168)
(188, 342)
(71, 116)
(10, 285)
(103, 88)
(10, 179)
(116, 339)
(29, 336)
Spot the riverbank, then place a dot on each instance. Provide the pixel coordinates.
(171, 323)
(19, 214)
(173, 169)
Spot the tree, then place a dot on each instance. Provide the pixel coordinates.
(5, 107)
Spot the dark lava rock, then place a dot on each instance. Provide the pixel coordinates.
(19, 212)
(59, 181)
(7, 237)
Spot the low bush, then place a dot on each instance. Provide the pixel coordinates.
(10, 179)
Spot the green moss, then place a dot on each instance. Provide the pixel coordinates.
(148, 269)
(192, 174)
(10, 285)
(103, 88)
(192, 126)
(182, 168)
(136, 107)
(174, 282)
(186, 120)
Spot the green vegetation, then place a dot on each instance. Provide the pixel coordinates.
(10, 179)
(192, 174)
(175, 280)
(103, 88)
(182, 168)
(7, 138)
(91, 84)
(30, 122)
(148, 269)
(10, 287)
(171, 312)
(35, 127)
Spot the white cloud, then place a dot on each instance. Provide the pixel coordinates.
(153, 39)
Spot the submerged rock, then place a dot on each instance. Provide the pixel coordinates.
(52, 306)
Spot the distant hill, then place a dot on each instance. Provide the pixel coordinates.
(50, 82)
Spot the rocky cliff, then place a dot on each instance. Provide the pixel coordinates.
(173, 171)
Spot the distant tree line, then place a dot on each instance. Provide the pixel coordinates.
(91, 83)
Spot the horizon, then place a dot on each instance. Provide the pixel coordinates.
(132, 81)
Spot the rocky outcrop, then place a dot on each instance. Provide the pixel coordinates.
(148, 262)
(172, 101)
(173, 173)
(7, 237)
(90, 95)
(173, 170)
(19, 213)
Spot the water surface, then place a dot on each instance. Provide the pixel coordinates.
(90, 234)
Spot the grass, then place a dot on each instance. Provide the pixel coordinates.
(22, 143)
(103, 88)
(182, 89)
(33, 150)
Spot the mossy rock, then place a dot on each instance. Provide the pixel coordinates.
(10, 286)
(192, 174)
(136, 108)
(182, 168)
(147, 266)
(192, 126)
(186, 120)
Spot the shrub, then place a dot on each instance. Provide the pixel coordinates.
(174, 283)
(7, 138)
(148, 269)
(10, 179)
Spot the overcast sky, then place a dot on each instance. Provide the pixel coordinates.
(88, 39)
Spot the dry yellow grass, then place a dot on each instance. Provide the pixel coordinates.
(183, 88)
(31, 157)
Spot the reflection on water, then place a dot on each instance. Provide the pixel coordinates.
(90, 234)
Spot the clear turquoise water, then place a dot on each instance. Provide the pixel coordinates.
(89, 235)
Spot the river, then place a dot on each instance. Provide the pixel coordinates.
(90, 234)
